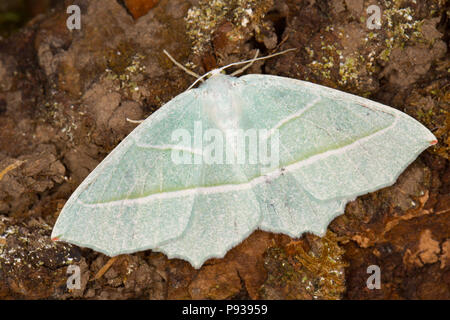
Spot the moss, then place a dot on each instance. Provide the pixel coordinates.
(439, 118)
(425, 117)
(119, 58)
(400, 27)
(323, 66)
(348, 70)
(327, 266)
(13, 15)
(354, 71)
(385, 54)
(203, 19)
(443, 135)
(430, 105)
(315, 273)
(123, 64)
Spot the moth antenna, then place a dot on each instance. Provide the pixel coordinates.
(179, 65)
(249, 62)
(256, 59)
(201, 78)
(246, 66)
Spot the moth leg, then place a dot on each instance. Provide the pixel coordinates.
(246, 66)
(135, 121)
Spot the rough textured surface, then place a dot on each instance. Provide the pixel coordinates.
(62, 108)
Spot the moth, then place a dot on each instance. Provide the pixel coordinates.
(234, 155)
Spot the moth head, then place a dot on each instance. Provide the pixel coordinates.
(215, 72)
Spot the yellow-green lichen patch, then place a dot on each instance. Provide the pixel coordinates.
(431, 106)
(348, 54)
(125, 65)
(326, 62)
(339, 59)
(203, 19)
(399, 27)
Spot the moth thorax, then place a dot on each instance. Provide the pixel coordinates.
(221, 103)
(224, 110)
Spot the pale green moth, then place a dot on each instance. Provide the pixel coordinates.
(159, 190)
